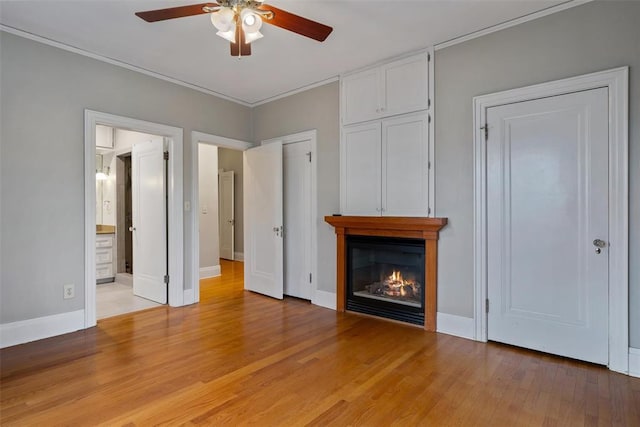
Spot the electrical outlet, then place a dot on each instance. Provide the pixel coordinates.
(69, 291)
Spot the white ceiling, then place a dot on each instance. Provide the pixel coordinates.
(188, 50)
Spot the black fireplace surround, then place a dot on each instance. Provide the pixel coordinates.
(385, 277)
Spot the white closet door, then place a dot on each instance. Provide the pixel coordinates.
(263, 222)
(547, 201)
(297, 219)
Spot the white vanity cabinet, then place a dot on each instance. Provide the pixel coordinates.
(105, 258)
(384, 167)
(397, 87)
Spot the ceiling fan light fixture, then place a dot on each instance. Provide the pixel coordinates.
(250, 37)
(251, 21)
(224, 19)
(228, 35)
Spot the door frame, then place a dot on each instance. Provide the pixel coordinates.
(175, 220)
(312, 136)
(617, 82)
(193, 295)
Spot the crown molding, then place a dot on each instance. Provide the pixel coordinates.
(112, 61)
(511, 23)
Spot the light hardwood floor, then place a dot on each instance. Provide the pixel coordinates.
(239, 358)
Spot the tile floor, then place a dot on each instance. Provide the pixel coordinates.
(115, 298)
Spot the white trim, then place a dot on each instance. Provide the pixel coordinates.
(458, 326)
(511, 23)
(116, 62)
(634, 362)
(238, 256)
(211, 271)
(616, 80)
(174, 190)
(218, 141)
(41, 327)
(312, 137)
(324, 299)
(431, 125)
(295, 91)
(189, 297)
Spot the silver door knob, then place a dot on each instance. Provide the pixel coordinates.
(599, 243)
(132, 229)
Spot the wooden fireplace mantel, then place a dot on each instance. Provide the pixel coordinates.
(392, 226)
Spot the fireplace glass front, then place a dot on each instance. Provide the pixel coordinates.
(386, 277)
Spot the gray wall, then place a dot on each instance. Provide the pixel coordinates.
(592, 37)
(318, 109)
(44, 93)
(231, 160)
(208, 197)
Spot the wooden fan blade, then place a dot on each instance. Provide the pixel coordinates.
(174, 12)
(297, 24)
(240, 47)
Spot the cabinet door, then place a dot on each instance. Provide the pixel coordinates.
(405, 160)
(360, 170)
(361, 97)
(405, 86)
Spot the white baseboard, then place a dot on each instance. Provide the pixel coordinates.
(324, 299)
(458, 326)
(238, 256)
(211, 271)
(29, 330)
(634, 362)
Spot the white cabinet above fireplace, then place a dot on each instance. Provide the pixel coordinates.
(384, 167)
(386, 144)
(397, 87)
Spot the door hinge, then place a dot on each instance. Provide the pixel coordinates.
(487, 305)
(166, 279)
(310, 278)
(309, 154)
(429, 165)
(429, 118)
(428, 57)
(429, 103)
(428, 211)
(166, 155)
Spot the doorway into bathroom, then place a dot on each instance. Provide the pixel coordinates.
(131, 223)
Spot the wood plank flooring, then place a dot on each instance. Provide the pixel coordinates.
(239, 358)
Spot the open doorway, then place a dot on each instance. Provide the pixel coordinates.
(167, 207)
(131, 221)
(213, 155)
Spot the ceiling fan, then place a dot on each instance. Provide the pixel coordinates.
(239, 21)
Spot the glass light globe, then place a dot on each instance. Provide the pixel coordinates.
(223, 19)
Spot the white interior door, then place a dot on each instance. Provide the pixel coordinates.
(263, 222)
(149, 220)
(227, 216)
(297, 219)
(547, 201)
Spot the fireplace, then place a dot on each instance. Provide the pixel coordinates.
(385, 277)
(380, 244)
